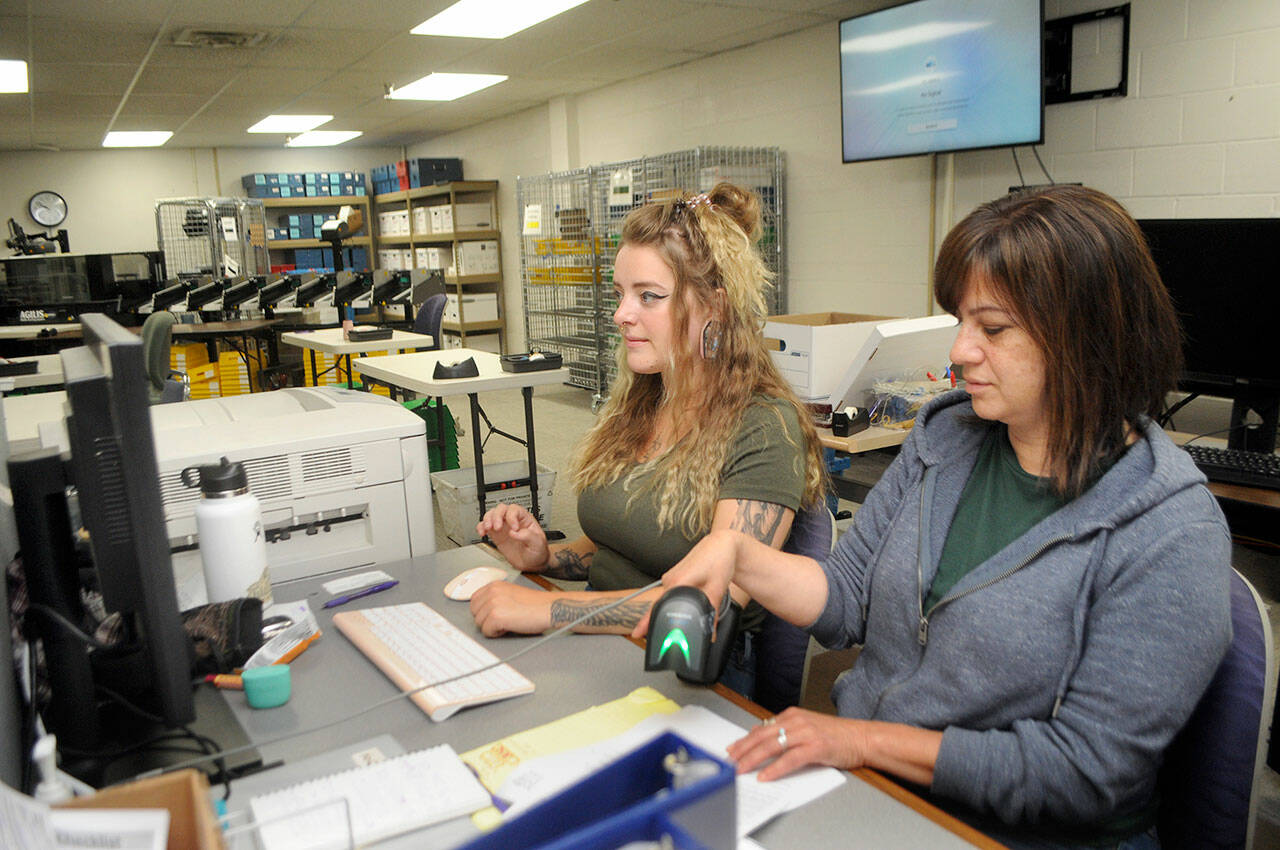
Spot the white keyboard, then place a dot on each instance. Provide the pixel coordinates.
(415, 646)
(382, 799)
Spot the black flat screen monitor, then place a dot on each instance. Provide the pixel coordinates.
(1222, 276)
(941, 75)
(114, 471)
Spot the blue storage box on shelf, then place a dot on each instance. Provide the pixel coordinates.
(428, 172)
(308, 258)
(633, 799)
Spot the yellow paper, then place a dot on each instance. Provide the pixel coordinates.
(494, 762)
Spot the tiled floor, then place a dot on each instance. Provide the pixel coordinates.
(562, 414)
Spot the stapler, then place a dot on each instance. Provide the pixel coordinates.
(462, 369)
(681, 631)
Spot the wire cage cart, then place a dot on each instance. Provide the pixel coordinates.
(571, 230)
(222, 237)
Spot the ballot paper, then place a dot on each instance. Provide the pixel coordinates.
(537, 779)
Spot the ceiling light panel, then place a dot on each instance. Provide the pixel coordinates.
(492, 18)
(322, 138)
(441, 86)
(289, 123)
(13, 76)
(136, 138)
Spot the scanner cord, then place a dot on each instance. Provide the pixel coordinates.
(320, 727)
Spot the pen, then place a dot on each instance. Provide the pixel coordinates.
(368, 591)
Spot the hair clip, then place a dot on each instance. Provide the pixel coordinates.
(697, 200)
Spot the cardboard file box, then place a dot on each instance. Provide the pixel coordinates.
(480, 307)
(472, 217)
(185, 793)
(631, 800)
(441, 218)
(480, 257)
(814, 350)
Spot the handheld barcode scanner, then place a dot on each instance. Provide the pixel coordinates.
(680, 631)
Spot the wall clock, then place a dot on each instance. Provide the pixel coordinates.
(48, 208)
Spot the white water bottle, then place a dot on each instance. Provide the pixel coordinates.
(233, 547)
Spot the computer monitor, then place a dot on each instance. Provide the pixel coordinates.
(112, 467)
(1221, 274)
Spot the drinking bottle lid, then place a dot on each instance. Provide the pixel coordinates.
(220, 478)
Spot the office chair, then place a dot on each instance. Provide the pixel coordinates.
(166, 385)
(781, 648)
(429, 318)
(1208, 785)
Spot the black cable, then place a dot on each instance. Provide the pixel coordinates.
(1042, 168)
(1167, 417)
(1021, 180)
(71, 628)
(1211, 433)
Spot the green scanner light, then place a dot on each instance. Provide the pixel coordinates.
(675, 638)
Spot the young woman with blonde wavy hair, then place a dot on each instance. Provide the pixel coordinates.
(700, 432)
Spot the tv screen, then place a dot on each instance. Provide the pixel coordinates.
(941, 75)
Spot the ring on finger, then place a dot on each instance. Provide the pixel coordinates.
(782, 739)
(768, 721)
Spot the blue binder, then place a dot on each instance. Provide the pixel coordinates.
(632, 799)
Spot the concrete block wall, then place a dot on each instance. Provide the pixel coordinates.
(1198, 135)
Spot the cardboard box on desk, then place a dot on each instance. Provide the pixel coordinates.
(813, 350)
(185, 793)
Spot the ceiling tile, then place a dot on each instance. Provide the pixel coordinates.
(157, 79)
(276, 85)
(74, 40)
(72, 105)
(392, 16)
(164, 104)
(81, 78)
(13, 36)
(203, 58)
(319, 49)
(615, 62)
(337, 57)
(407, 57)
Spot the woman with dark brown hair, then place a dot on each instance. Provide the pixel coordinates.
(1040, 580)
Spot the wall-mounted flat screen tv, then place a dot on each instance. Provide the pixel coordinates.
(941, 75)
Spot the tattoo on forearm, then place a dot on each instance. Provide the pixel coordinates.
(626, 615)
(759, 519)
(568, 564)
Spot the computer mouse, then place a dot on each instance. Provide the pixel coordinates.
(464, 584)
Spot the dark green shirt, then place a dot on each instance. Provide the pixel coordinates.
(999, 503)
(765, 463)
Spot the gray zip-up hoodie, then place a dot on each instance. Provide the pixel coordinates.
(1060, 668)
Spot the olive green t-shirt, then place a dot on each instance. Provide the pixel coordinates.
(765, 463)
(999, 503)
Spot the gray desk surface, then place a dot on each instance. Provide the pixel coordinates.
(332, 679)
(414, 371)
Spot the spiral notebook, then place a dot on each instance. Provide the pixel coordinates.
(369, 803)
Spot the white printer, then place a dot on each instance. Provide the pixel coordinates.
(342, 477)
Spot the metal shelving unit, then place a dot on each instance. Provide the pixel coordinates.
(572, 225)
(222, 237)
